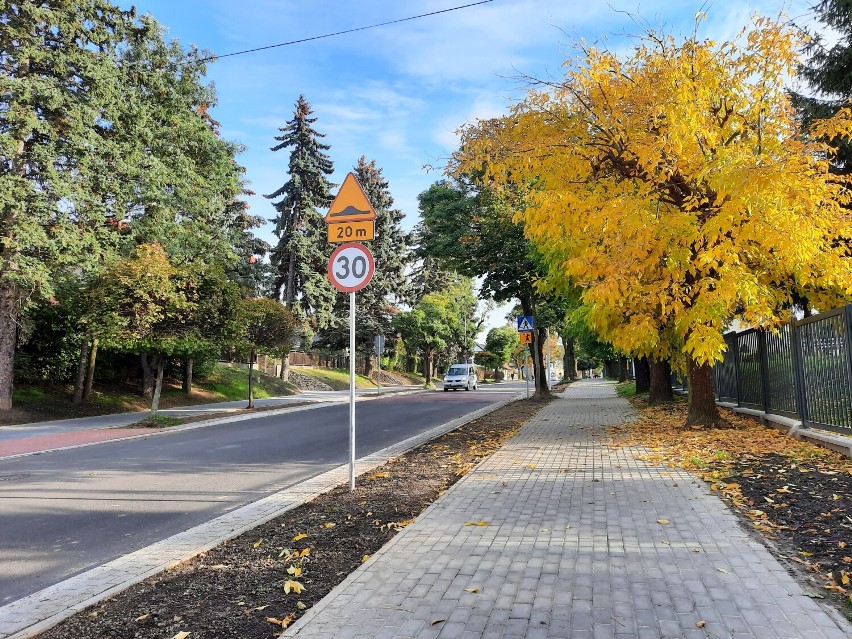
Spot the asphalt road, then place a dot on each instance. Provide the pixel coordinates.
(66, 511)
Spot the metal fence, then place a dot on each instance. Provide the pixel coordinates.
(803, 370)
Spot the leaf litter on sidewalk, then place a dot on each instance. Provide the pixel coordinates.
(793, 494)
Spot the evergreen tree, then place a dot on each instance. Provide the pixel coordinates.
(57, 73)
(301, 256)
(828, 71)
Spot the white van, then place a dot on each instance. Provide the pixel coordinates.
(460, 376)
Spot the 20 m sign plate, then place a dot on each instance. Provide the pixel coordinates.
(350, 267)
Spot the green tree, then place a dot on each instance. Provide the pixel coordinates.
(427, 328)
(828, 71)
(167, 177)
(264, 326)
(57, 81)
(132, 299)
(300, 258)
(500, 343)
(471, 229)
(302, 251)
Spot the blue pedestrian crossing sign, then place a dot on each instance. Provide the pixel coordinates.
(525, 323)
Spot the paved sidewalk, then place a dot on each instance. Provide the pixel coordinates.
(557, 535)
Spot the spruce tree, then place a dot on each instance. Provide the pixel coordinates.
(828, 72)
(57, 61)
(301, 256)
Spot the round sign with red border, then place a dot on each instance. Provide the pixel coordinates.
(350, 267)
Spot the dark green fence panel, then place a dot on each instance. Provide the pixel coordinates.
(803, 370)
(779, 373)
(750, 384)
(725, 372)
(826, 370)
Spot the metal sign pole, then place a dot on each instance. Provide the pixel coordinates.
(351, 392)
(547, 359)
(379, 376)
(527, 371)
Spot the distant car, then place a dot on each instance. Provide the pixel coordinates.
(460, 376)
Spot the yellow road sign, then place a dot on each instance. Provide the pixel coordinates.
(351, 231)
(350, 204)
(526, 337)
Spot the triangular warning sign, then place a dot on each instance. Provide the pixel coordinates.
(524, 325)
(351, 204)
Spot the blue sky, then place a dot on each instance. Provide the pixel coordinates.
(396, 94)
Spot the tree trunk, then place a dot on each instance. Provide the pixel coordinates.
(8, 339)
(250, 381)
(661, 382)
(622, 369)
(368, 364)
(285, 368)
(90, 374)
(149, 364)
(569, 359)
(541, 390)
(643, 374)
(703, 412)
(158, 386)
(291, 279)
(427, 366)
(187, 375)
(81, 370)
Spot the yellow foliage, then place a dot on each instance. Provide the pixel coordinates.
(675, 188)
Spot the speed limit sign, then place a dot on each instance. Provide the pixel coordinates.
(350, 267)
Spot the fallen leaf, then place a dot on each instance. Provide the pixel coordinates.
(293, 586)
(437, 621)
(727, 572)
(305, 552)
(700, 624)
(275, 621)
(476, 523)
(143, 617)
(257, 543)
(259, 608)
(299, 537)
(365, 558)
(294, 571)
(329, 525)
(181, 635)
(300, 605)
(663, 521)
(471, 590)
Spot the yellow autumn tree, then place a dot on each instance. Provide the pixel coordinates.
(675, 188)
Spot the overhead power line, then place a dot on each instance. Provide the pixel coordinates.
(337, 33)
